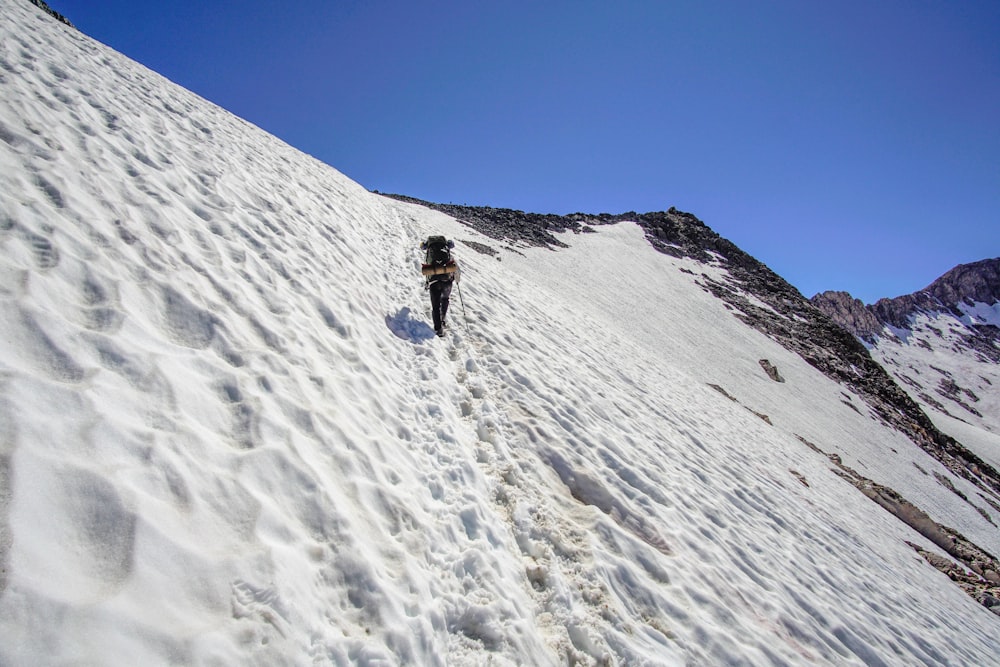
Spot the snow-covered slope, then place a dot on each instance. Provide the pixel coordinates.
(947, 361)
(226, 436)
(957, 384)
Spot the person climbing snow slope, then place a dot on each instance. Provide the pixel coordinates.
(441, 271)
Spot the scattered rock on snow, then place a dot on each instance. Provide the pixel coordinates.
(771, 370)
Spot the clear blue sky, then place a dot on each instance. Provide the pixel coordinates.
(849, 145)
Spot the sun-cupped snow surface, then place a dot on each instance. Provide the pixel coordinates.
(226, 436)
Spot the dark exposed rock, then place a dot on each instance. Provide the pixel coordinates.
(801, 327)
(732, 398)
(850, 313)
(481, 248)
(723, 392)
(535, 229)
(799, 476)
(984, 589)
(41, 4)
(984, 341)
(771, 370)
(953, 392)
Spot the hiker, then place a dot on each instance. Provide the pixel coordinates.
(441, 272)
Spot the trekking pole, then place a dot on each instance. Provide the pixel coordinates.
(462, 301)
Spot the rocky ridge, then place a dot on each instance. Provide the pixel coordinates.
(978, 282)
(41, 4)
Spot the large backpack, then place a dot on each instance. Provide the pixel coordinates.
(438, 259)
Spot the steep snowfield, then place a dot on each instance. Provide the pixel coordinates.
(226, 436)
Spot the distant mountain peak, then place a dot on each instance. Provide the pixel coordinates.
(968, 284)
(942, 343)
(978, 282)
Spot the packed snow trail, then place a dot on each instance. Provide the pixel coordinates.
(217, 448)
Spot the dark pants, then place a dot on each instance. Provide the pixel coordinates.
(440, 298)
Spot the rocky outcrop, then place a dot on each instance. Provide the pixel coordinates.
(505, 224)
(771, 370)
(41, 4)
(850, 313)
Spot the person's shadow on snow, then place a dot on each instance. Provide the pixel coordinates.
(403, 325)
